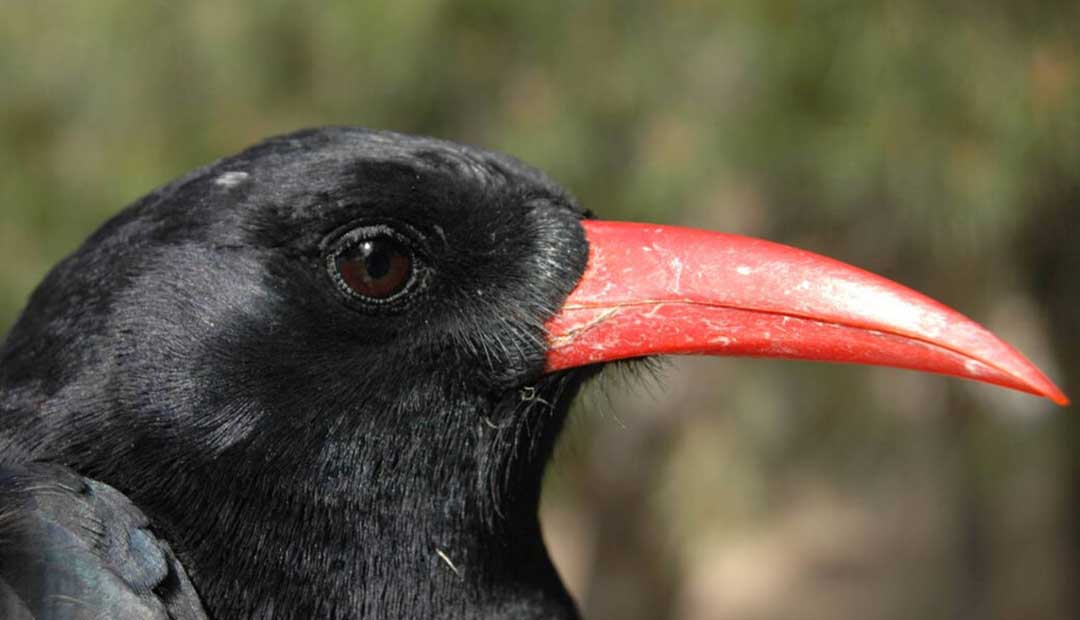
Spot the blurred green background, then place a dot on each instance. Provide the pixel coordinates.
(935, 143)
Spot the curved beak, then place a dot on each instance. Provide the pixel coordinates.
(654, 290)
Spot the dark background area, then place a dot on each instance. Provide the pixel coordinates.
(935, 143)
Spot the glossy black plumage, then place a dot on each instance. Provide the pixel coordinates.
(302, 453)
(75, 548)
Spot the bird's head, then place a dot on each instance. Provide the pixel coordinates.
(379, 323)
(324, 290)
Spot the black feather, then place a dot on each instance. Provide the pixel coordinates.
(77, 549)
(303, 454)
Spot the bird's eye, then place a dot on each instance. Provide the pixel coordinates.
(376, 268)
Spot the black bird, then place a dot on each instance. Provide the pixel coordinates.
(322, 378)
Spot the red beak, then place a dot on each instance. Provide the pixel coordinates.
(652, 290)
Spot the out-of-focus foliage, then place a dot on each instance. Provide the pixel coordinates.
(937, 143)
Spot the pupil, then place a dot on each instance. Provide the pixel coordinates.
(376, 259)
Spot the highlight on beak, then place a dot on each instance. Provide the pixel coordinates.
(654, 290)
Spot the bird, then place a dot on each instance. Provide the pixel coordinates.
(323, 377)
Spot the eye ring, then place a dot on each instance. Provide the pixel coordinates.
(375, 265)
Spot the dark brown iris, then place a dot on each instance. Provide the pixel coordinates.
(375, 268)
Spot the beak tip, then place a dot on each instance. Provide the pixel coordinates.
(1041, 385)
